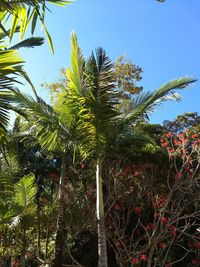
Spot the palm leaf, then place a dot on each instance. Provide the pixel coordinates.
(145, 103)
(75, 74)
(91, 96)
(50, 131)
(25, 13)
(28, 43)
(10, 64)
(21, 203)
(24, 196)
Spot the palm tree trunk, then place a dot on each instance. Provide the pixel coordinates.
(102, 250)
(39, 228)
(61, 226)
(48, 224)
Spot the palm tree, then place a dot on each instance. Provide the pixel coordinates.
(25, 13)
(55, 136)
(92, 99)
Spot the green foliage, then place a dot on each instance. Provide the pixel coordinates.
(10, 67)
(19, 199)
(28, 43)
(127, 73)
(24, 195)
(91, 96)
(50, 131)
(147, 102)
(188, 121)
(25, 13)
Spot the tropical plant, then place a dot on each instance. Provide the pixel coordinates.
(11, 66)
(54, 136)
(92, 100)
(17, 193)
(25, 13)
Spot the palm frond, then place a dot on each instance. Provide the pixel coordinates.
(10, 65)
(75, 74)
(6, 33)
(28, 43)
(25, 13)
(50, 131)
(145, 103)
(9, 173)
(102, 99)
(21, 202)
(24, 196)
(5, 106)
(91, 95)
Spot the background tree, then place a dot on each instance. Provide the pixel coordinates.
(188, 121)
(127, 75)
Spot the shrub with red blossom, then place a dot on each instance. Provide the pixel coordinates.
(164, 213)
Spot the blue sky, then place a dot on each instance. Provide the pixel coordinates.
(164, 39)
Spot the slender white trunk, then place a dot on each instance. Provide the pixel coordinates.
(102, 250)
(61, 225)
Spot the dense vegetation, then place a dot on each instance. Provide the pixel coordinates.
(86, 180)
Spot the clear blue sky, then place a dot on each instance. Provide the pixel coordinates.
(164, 39)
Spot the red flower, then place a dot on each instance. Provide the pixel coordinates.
(168, 264)
(172, 229)
(116, 174)
(144, 257)
(118, 244)
(82, 165)
(170, 149)
(128, 168)
(117, 207)
(135, 261)
(194, 136)
(169, 134)
(135, 173)
(164, 144)
(181, 135)
(137, 210)
(177, 142)
(178, 176)
(190, 244)
(149, 195)
(195, 262)
(159, 202)
(155, 215)
(53, 176)
(196, 245)
(162, 245)
(16, 263)
(150, 226)
(164, 220)
(185, 140)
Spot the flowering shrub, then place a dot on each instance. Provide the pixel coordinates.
(153, 214)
